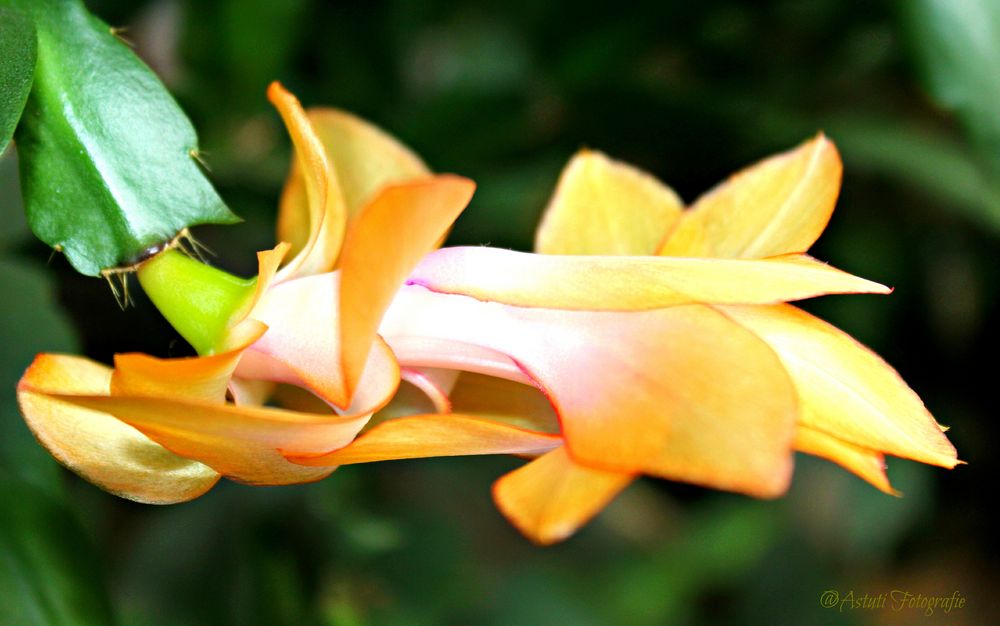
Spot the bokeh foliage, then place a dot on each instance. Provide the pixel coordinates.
(689, 91)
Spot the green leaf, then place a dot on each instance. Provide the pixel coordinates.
(18, 50)
(108, 159)
(48, 572)
(957, 44)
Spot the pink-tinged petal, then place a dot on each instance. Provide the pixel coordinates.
(365, 158)
(203, 378)
(606, 207)
(242, 443)
(845, 389)
(551, 497)
(778, 206)
(683, 392)
(608, 283)
(421, 436)
(444, 353)
(312, 200)
(100, 448)
(391, 233)
(245, 391)
(302, 345)
(866, 463)
(435, 383)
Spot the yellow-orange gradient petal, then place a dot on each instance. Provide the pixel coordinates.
(99, 447)
(398, 227)
(615, 283)
(777, 206)
(846, 390)
(421, 436)
(551, 497)
(243, 443)
(501, 400)
(365, 158)
(606, 207)
(323, 214)
(868, 464)
(682, 393)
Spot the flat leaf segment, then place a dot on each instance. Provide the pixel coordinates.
(107, 157)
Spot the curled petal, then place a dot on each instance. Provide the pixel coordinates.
(846, 390)
(421, 436)
(314, 227)
(97, 446)
(606, 207)
(435, 383)
(607, 283)
(778, 206)
(682, 393)
(399, 226)
(365, 158)
(551, 497)
(866, 463)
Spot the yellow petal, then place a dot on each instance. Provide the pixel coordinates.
(846, 390)
(399, 226)
(551, 497)
(243, 443)
(606, 207)
(778, 206)
(607, 283)
(501, 400)
(313, 180)
(97, 446)
(866, 463)
(421, 436)
(365, 158)
(682, 393)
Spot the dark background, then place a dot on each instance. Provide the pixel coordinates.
(688, 91)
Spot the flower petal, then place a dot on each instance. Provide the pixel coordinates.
(551, 497)
(606, 207)
(243, 443)
(365, 158)
(98, 447)
(302, 345)
(421, 436)
(866, 463)
(778, 206)
(682, 392)
(435, 383)
(313, 216)
(846, 390)
(399, 226)
(204, 378)
(500, 400)
(612, 283)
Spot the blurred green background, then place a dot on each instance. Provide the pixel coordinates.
(910, 92)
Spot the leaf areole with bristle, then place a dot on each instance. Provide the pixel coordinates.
(105, 152)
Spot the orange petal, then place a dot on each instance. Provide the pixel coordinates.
(243, 443)
(551, 497)
(606, 283)
(421, 436)
(302, 345)
(846, 390)
(399, 226)
(866, 463)
(204, 378)
(98, 447)
(314, 181)
(682, 393)
(778, 206)
(606, 207)
(365, 158)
